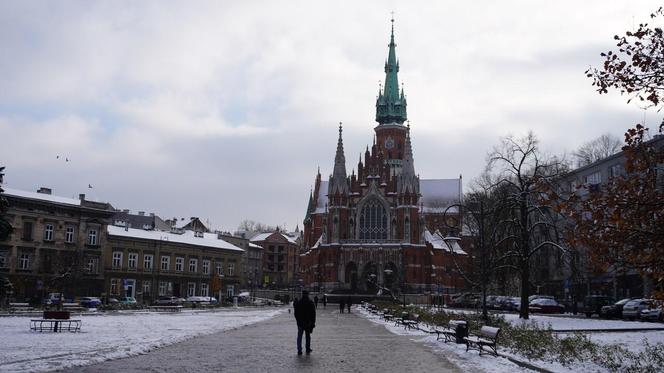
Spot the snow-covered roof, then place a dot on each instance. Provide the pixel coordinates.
(439, 194)
(263, 236)
(188, 237)
(436, 240)
(255, 246)
(322, 198)
(41, 196)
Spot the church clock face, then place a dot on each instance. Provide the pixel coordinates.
(389, 143)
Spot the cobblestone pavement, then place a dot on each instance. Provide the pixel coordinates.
(340, 343)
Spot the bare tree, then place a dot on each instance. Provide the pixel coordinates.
(529, 222)
(597, 149)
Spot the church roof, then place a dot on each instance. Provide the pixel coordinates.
(436, 240)
(439, 194)
(322, 198)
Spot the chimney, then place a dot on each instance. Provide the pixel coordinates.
(44, 190)
(141, 213)
(81, 197)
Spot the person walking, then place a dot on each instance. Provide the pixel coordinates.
(305, 315)
(349, 302)
(341, 305)
(316, 300)
(324, 301)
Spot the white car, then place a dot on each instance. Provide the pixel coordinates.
(632, 309)
(200, 300)
(654, 313)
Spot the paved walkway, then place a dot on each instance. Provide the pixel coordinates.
(340, 343)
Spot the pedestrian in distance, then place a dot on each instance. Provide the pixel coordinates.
(341, 305)
(316, 300)
(305, 315)
(324, 301)
(349, 302)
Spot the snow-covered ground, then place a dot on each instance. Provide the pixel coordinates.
(471, 361)
(111, 336)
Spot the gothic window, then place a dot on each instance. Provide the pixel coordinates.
(406, 230)
(373, 221)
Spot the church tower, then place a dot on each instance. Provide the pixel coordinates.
(391, 113)
(337, 193)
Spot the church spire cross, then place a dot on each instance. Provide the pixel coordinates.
(390, 105)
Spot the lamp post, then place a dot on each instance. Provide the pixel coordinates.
(221, 287)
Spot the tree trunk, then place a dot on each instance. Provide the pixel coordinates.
(525, 291)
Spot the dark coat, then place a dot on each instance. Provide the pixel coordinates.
(305, 314)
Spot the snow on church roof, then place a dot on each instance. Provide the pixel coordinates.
(188, 237)
(438, 194)
(322, 198)
(436, 240)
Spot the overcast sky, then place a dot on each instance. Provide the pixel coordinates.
(224, 109)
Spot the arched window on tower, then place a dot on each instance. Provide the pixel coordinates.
(406, 230)
(373, 221)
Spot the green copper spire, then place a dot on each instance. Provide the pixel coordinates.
(391, 105)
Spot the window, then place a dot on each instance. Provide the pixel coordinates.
(164, 287)
(594, 178)
(24, 261)
(117, 259)
(220, 268)
(69, 234)
(231, 269)
(147, 287)
(147, 262)
(193, 265)
(204, 290)
(165, 263)
(373, 221)
(132, 260)
(206, 267)
(27, 231)
(179, 264)
(93, 265)
(3, 259)
(230, 291)
(48, 232)
(616, 170)
(191, 289)
(92, 237)
(114, 286)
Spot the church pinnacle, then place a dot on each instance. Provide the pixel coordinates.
(339, 181)
(391, 105)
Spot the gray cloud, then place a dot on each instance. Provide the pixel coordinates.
(223, 110)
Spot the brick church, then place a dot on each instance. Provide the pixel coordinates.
(384, 226)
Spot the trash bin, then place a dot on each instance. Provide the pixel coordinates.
(461, 331)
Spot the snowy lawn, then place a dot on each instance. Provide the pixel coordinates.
(112, 336)
(471, 361)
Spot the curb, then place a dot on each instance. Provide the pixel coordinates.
(524, 364)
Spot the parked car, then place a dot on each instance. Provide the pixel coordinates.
(546, 305)
(513, 304)
(632, 309)
(653, 312)
(492, 302)
(113, 301)
(53, 299)
(613, 310)
(128, 301)
(593, 304)
(538, 296)
(168, 301)
(90, 302)
(202, 300)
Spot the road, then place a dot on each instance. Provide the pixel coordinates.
(340, 343)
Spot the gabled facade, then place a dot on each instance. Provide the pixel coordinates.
(371, 226)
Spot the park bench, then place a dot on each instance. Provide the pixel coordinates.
(387, 315)
(166, 308)
(412, 321)
(449, 333)
(488, 337)
(55, 321)
(19, 307)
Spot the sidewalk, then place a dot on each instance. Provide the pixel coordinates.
(340, 343)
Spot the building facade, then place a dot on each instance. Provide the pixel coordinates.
(279, 259)
(252, 260)
(57, 244)
(377, 227)
(146, 264)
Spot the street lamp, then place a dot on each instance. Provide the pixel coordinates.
(221, 287)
